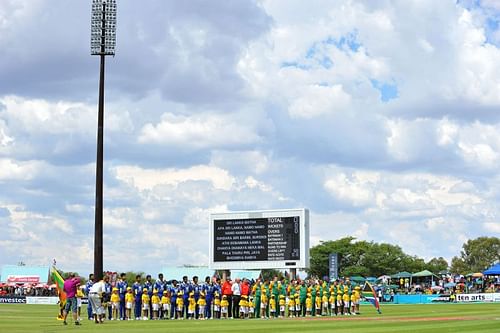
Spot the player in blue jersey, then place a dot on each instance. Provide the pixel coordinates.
(159, 285)
(208, 289)
(196, 289)
(149, 286)
(137, 290)
(185, 287)
(121, 284)
(89, 284)
(173, 289)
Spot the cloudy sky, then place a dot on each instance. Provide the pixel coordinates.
(381, 117)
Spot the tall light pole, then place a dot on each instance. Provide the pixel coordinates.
(102, 43)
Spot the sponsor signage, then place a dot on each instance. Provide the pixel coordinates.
(441, 298)
(42, 300)
(264, 239)
(478, 297)
(333, 262)
(23, 279)
(12, 299)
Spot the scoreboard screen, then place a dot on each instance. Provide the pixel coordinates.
(261, 239)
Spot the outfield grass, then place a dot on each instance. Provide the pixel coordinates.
(467, 318)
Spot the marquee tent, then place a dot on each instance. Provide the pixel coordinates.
(401, 275)
(493, 270)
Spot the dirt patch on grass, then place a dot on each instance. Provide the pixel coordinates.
(393, 319)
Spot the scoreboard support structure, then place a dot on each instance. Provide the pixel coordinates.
(269, 239)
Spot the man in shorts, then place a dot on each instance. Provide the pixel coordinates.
(96, 293)
(70, 288)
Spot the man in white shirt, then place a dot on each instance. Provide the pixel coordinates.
(236, 289)
(95, 298)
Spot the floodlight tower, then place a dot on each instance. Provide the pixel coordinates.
(102, 43)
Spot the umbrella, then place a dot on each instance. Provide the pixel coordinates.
(384, 277)
(449, 285)
(477, 275)
(437, 288)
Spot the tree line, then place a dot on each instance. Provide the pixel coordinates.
(375, 259)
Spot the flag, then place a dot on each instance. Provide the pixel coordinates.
(59, 282)
(369, 294)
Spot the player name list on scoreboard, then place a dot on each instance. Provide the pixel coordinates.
(261, 239)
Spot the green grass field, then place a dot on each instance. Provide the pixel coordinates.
(395, 318)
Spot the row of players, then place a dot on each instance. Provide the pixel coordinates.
(169, 299)
(162, 307)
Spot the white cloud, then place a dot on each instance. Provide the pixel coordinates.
(317, 100)
(202, 131)
(492, 227)
(147, 179)
(18, 170)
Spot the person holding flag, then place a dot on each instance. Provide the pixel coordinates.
(70, 287)
(59, 282)
(369, 294)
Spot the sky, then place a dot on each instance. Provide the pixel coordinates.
(381, 117)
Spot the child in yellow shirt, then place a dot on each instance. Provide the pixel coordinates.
(223, 306)
(202, 302)
(309, 304)
(251, 308)
(191, 305)
(179, 302)
(145, 304)
(129, 300)
(79, 296)
(345, 299)
(340, 304)
(272, 307)
(243, 306)
(263, 305)
(155, 303)
(324, 299)
(291, 306)
(282, 306)
(298, 309)
(115, 303)
(318, 304)
(217, 305)
(331, 300)
(165, 304)
(357, 296)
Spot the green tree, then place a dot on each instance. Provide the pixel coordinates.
(383, 259)
(362, 258)
(318, 256)
(130, 277)
(436, 265)
(269, 274)
(480, 253)
(458, 266)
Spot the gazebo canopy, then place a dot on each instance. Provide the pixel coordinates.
(424, 273)
(493, 270)
(401, 275)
